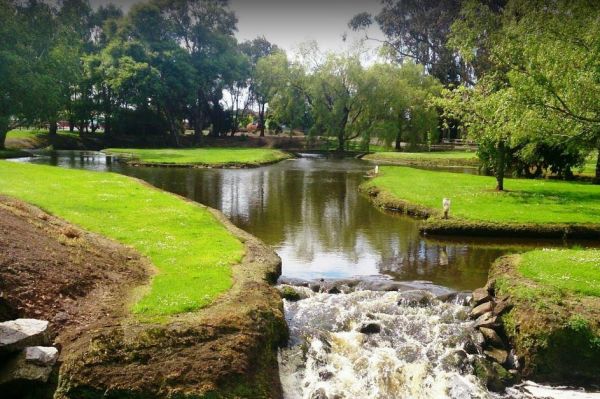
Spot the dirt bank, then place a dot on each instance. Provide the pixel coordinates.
(83, 284)
(434, 224)
(554, 333)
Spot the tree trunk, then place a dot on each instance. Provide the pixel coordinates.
(53, 128)
(597, 175)
(342, 131)
(500, 166)
(261, 119)
(71, 125)
(199, 118)
(3, 132)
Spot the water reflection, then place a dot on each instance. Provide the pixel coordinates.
(310, 211)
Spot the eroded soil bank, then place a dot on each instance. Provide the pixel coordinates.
(83, 284)
(554, 333)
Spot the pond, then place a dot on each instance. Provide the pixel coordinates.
(310, 211)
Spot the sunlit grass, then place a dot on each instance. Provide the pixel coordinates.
(441, 158)
(204, 156)
(473, 197)
(567, 269)
(191, 249)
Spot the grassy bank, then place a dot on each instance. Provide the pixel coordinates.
(191, 249)
(215, 157)
(554, 322)
(445, 158)
(528, 206)
(6, 154)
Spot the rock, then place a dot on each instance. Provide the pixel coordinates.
(370, 328)
(290, 294)
(456, 360)
(492, 375)
(19, 369)
(474, 343)
(491, 337)
(481, 295)
(462, 298)
(416, 298)
(501, 307)
(319, 394)
(481, 309)
(325, 375)
(334, 290)
(315, 287)
(20, 333)
(496, 354)
(487, 320)
(41, 355)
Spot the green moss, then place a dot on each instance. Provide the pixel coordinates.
(203, 156)
(192, 250)
(290, 294)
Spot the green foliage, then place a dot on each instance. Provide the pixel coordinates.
(526, 201)
(191, 249)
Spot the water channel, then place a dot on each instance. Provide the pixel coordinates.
(310, 211)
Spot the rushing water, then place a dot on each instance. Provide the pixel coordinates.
(311, 212)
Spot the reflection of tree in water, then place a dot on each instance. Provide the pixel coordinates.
(313, 209)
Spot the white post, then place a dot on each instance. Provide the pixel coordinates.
(376, 169)
(446, 207)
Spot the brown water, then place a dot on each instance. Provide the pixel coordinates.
(311, 212)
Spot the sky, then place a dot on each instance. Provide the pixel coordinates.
(289, 23)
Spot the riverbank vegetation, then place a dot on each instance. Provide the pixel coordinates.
(191, 249)
(524, 202)
(442, 158)
(214, 157)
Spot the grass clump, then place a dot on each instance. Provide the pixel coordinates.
(574, 270)
(203, 156)
(474, 198)
(191, 249)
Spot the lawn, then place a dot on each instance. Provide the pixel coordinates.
(27, 133)
(566, 269)
(441, 158)
(191, 249)
(204, 156)
(589, 167)
(474, 198)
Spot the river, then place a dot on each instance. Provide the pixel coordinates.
(310, 211)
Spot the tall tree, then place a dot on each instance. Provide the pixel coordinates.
(261, 83)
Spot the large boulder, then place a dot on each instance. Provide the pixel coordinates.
(18, 334)
(19, 369)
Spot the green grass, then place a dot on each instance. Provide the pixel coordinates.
(204, 156)
(191, 249)
(441, 158)
(589, 167)
(573, 270)
(27, 133)
(474, 198)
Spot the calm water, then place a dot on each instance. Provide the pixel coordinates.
(311, 212)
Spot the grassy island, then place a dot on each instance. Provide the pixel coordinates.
(191, 249)
(554, 321)
(439, 159)
(527, 207)
(201, 157)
